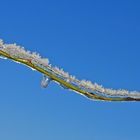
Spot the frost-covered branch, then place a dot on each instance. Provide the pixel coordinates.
(51, 73)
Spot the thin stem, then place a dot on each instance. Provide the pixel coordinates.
(65, 83)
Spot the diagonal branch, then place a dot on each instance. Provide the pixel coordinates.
(86, 88)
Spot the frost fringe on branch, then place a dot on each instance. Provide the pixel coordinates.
(83, 87)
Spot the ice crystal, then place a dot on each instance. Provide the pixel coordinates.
(45, 81)
(17, 52)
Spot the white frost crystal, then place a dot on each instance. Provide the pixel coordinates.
(1, 43)
(19, 52)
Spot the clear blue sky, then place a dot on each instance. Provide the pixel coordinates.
(95, 40)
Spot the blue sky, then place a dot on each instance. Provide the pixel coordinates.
(94, 40)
